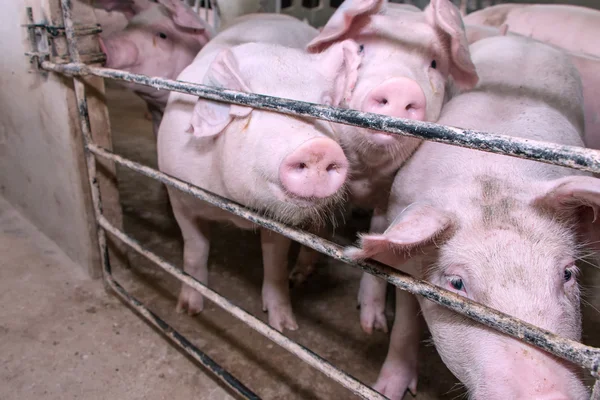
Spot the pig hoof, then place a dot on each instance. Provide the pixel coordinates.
(190, 301)
(300, 274)
(394, 385)
(281, 317)
(372, 316)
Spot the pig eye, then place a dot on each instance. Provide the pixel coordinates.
(162, 35)
(568, 275)
(361, 48)
(456, 283)
(433, 64)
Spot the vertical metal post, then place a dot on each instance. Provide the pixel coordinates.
(84, 120)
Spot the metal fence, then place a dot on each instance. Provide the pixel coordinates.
(568, 156)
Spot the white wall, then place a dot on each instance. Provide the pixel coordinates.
(41, 163)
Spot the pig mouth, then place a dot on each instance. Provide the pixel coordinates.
(382, 138)
(285, 197)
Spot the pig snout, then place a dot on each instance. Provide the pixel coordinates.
(522, 372)
(397, 97)
(315, 169)
(120, 53)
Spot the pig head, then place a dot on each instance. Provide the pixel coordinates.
(408, 58)
(160, 39)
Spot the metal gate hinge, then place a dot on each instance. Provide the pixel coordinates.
(42, 35)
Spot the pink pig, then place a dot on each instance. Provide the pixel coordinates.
(589, 71)
(160, 39)
(495, 229)
(409, 58)
(289, 168)
(573, 28)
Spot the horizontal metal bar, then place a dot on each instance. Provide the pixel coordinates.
(180, 340)
(60, 30)
(551, 153)
(300, 351)
(578, 353)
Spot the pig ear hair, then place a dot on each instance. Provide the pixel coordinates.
(574, 195)
(343, 60)
(445, 17)
(417, 225)
(342, 20)
(184, 16)
(210, 118)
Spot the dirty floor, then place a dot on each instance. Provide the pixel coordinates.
(63, 336)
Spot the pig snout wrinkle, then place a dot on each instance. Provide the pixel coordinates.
(316, 169)
(397, 97)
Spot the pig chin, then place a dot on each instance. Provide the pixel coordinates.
(293, 210)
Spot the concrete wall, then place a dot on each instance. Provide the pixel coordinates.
(41, 159)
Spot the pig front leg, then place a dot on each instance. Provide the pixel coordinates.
(399, 371)
(305, 265)
(307, 260)
(196, 245)
(275, 290)
(372, 291)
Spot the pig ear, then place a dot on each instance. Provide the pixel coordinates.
(184, 16)
(568, 196)
(127, 7)
(445, 17)
(342, 61)
(210, 117)
(343, 21)
(418, 225)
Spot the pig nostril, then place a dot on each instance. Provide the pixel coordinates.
(409, 107)
(331, 167)
(384, 101)
(301, 166)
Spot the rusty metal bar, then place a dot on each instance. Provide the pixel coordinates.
(301, 352)
(551, 153)
(578, 353)
(176, 337)
(60, 30)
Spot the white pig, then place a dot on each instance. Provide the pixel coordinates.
(286, 167)
(409, 57)
(160, 39)
(589, 70)
(573, 28)
(498, 230)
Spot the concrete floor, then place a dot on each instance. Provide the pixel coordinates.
(63, 336)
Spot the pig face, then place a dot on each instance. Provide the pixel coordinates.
(515, 251)
(159, 40)
(408, 58)
(287, 166)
